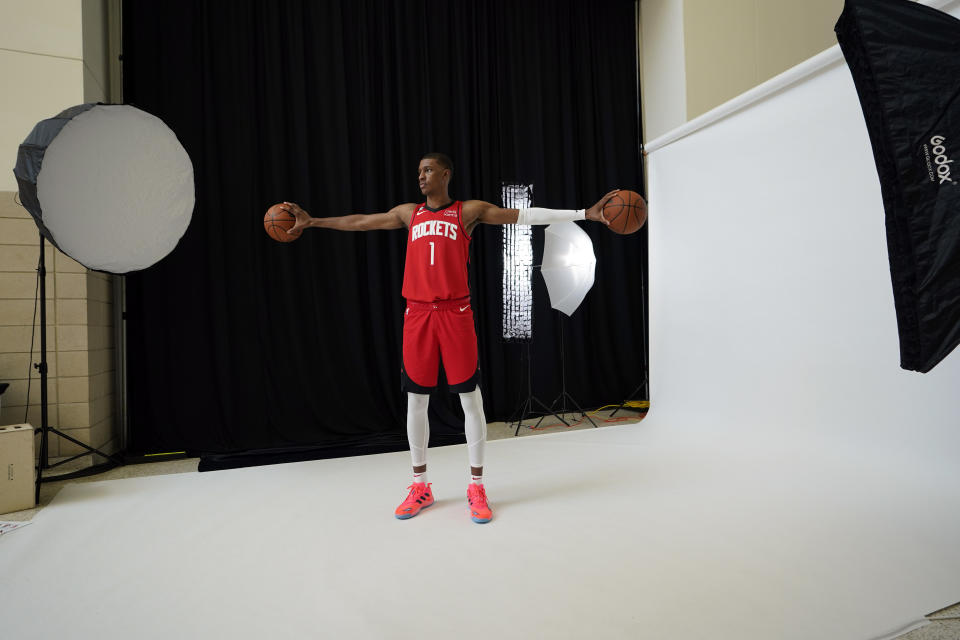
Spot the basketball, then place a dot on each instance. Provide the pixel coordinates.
(626, 212)
(276, 222)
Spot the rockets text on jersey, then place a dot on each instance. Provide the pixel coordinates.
(433, 228)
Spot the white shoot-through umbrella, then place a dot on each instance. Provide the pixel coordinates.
(568, 265)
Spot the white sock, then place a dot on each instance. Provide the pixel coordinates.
(476, 479)
(474, 425)
(420, 477)
(418, 428)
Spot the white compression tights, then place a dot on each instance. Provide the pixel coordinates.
(475, 425)
(418, 427)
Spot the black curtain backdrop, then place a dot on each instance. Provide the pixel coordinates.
(237, 343)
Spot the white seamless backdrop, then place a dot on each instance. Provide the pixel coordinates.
(771, 306)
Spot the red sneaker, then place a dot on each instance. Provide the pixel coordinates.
(420, 497)
(479, 509)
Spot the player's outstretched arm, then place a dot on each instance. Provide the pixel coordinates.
(396, 218)
(477, 211)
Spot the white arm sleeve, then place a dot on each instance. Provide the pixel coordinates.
(536, 215)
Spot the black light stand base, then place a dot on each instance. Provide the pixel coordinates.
(623, 405)
(526, 409)
(113, 461)
(564, 396)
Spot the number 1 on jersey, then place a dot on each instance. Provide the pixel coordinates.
(431, 254)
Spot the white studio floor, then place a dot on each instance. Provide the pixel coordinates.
(636, 531)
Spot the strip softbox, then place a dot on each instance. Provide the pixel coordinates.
(905, 61)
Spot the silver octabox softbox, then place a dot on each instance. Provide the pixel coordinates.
(109, 185)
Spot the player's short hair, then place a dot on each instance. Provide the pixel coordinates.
(442, 158)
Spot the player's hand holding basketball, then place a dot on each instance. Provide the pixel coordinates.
(596, 211)
(625, 212)
(303, 218)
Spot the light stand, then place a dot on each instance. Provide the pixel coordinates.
(527, 407)
(45, 429)
(646, 357)
(568, 271)
(564, 396)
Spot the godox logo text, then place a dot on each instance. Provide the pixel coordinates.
(940, 158)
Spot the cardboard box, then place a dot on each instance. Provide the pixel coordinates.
(17, 474)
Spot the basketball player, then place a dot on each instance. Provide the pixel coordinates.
(438, 322)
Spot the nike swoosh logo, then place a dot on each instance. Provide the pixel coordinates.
(466, 307)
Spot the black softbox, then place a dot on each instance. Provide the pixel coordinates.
(905, 61)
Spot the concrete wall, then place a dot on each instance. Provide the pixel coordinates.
(734, 45)
(53, 54)
(662, 75)
(41, 66)
(698, 54)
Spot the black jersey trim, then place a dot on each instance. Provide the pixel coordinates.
(463, 228)
(409, 386)
(467, 385)
(438, 209)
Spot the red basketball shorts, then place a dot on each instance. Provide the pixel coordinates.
(435, 332)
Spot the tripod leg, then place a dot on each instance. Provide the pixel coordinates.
(43, 452)
(550, 411)
(518, 413)
(582, 412)
(525, 408)
(90, 449)
(632, 394)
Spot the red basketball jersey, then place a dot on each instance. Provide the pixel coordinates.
(438, 250)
